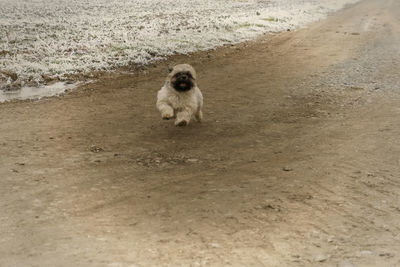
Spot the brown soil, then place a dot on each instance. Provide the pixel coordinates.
(296, 163)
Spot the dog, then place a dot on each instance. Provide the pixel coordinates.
(180, 97)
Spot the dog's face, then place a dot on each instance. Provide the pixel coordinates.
(182, 77)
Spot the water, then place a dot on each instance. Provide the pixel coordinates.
(24, 93)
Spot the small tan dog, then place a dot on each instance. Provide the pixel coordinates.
(180, 98)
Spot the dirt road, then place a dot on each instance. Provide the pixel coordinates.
(296, 164)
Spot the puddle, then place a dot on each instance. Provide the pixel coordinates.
(36, 92)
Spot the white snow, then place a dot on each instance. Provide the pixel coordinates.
(60, 37)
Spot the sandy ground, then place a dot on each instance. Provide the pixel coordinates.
(296, 164)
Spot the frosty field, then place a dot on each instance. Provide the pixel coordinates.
(41, 40)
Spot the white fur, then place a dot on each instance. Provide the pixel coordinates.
(180, 105)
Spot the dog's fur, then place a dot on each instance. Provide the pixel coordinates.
(180, 98)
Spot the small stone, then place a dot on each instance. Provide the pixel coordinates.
(321, 258)
(192, 160)
(96, 149)
(287, 169)
(215, 245)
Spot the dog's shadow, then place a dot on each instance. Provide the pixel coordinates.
(164, 135)
(167, 129)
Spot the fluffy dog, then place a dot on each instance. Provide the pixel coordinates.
(180, 98)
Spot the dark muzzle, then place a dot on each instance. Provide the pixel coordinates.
(182, 81)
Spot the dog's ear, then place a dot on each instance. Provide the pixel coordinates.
(170, 68)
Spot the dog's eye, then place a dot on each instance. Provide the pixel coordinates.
(186, 73)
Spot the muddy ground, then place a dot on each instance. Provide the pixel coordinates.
(297, 162)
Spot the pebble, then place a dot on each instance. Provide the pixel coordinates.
(215, 245)
(321, 258)
(96, 149)
(287, 169)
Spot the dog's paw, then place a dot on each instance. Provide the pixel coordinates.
(167, 116)
(181, 123)
(199, 116)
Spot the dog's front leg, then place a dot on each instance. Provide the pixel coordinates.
(199, 116)
(167, 112)
(183, 117)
